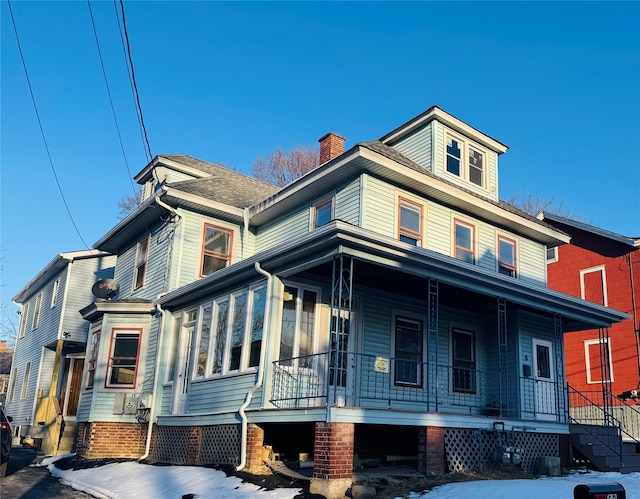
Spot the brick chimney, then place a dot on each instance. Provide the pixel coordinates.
(331, 146)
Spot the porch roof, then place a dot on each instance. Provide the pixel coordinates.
(321, 245)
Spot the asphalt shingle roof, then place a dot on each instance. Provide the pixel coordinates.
(221, 184)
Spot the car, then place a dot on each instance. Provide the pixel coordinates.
(5, 441)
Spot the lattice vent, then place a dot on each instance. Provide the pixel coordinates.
(220, 444)
(474, 450)
(171, 444)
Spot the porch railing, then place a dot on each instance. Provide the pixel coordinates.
(382, 382)
(589, 408)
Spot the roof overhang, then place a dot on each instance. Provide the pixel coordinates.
(633, 242)
(51, 269)
(360, 159)
(97, 309)
(322, 244)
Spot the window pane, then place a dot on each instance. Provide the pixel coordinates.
(221, 336)
(212, 264)
(543, 360)
(257, 325)
(216, 241)
(463, 236)
(507, 253)
(410, 217)
(126, 345)
(453, 157)
(464, 363)
(307, 323)
(476, 165)
(408, 351)
(288, 329)
(205, 334)
(237, 330)
(323, 213)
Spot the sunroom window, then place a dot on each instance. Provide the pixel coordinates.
(298, 326)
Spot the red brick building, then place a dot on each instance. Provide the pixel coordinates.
(602, 267)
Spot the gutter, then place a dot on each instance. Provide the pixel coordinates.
(258, 384)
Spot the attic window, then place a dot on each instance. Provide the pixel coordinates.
(465, 160)
(454, 156)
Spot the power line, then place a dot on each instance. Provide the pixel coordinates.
(126, 64)
(133, 77)
(44, 139)
(106, 82)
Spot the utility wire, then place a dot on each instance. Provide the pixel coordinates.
(44, 139)
(135, 86)
(126, 64)
(106, 82)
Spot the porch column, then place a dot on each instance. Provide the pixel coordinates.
(333, 459)
(255, 443)
(431, 451)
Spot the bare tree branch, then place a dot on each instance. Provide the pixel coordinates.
(281, 168)
(533, 204)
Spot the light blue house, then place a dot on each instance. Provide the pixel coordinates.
(45, 381)
(386, 306)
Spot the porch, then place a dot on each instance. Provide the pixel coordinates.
(375, 382)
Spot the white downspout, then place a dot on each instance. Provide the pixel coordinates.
(153, 411)
(261, 368)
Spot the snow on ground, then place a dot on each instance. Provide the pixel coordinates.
(541, 488)
(131, 479)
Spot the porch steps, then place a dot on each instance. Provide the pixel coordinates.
(601, 445)
(68, 438)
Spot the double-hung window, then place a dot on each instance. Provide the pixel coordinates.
(409, 222)
(36, 312)
(464, 241)
(25, 381)
(216, 249)
(323, 213)
(122, 367)
(598, 361)
(54, 293)
(463, 353)
(408, 351)
(506, 256)
(593, 285)
(23, 320)
(465, 160)
(94, 343)
(142, 254)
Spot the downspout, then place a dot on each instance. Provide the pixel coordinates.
(261, 368)
(153, 411)
(165, 205)
(245, 231)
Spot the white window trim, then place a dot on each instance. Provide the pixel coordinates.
(54, 292)
(146, 262)
(37, 310)
(24, 316)
(555, 255)
(320, 201)
(25, 381)
(465, 144)
(601, 269)
(316, 328)
(587, 360)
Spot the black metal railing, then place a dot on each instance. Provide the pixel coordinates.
(589, 408)
(374, 382)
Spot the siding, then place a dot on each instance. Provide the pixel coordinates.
(379, 206)
(283, 229)
(224, 394)
(348, 203)
(418, 147)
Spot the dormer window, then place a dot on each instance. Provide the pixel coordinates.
(473, 168)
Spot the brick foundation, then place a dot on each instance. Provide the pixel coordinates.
(107, 439)
(333, 459)
(431, 451)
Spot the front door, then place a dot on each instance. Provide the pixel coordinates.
(544, 380)
(183, 369)
(73, 387)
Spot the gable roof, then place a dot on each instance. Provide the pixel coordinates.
(634, 242)
(53, 268)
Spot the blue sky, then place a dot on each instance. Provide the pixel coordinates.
(559, 83)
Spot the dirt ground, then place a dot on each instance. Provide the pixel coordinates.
(386, 488)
